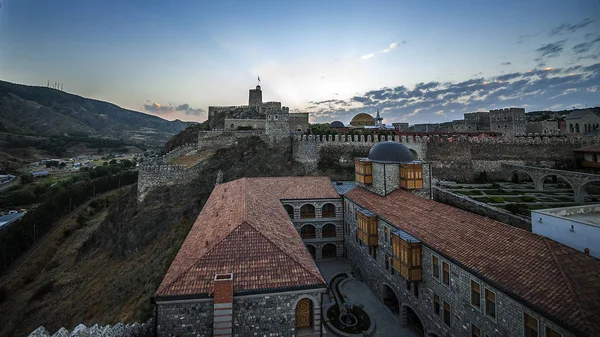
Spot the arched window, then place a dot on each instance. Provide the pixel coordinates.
(232, 125)
(308, 232)
(328, 211)
(571, 128)
(307, 211)
(290, 210)
(328, 231)
(577, 127)
(585, 127)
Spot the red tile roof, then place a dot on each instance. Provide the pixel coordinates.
(553, 279)
(594, 149)
(244, 229)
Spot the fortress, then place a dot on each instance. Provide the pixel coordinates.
(459, 158)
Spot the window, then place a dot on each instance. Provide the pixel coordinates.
(407, 285)
(475, 331)
(416, 289)
(436, 267)
(490, 303)
(531, 326)
(446, 273)
(387, 263)
(436, 304)
(475, 294)
(552, 333)
(386, 234)
(447, 313)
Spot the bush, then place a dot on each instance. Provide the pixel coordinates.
(528, 198)
(495, 185)
(42, 291)
(3, 293)
(497, 199)
(517, 208)
(26, 178)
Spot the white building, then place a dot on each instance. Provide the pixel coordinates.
(577, 226)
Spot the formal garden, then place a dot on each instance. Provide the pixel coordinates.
(520, 196)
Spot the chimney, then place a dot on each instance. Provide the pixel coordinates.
(223, 301)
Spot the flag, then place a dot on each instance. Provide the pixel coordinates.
(259, 78)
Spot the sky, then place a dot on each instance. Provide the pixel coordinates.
(415, 61)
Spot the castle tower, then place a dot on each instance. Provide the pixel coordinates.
(277, 125)
(255, 97)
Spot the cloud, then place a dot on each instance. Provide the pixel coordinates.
(392, 46)
(366, 57)
(160, 109)
(568, 28)
(550, 50)
(537, 89)
(585, 47)
(505, 63)
(157, 108)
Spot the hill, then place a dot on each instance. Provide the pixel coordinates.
(105, 267)
(33, 110)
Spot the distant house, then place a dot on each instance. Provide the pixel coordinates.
(577, 226)
(40, 174)
(6, 220)
(588, 158)
(583, 121)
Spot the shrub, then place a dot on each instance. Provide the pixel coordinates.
(497, 199)
(495, 185)
(3, 293)
(528, 198)
(42, 290)
(517, 208)
(26, 178)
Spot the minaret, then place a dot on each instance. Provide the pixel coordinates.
(378, 120)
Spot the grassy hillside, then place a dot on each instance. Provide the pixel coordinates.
(45, 111)
(105, 266)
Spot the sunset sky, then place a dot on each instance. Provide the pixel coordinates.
(417, 61)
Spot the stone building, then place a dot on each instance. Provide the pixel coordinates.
(549, 127)
(244, 269)
(448, 272)
(477, 121)
(400, 126)
(509, 121)
(583, 121)
(254, 115)
(588, 159)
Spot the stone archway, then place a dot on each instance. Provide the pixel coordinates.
(515, 173)
(390, 300)
(410, 319)
(329, 250)
(304, 313)
(312, 250)
(307, 211)
(308, 231)
(581, 193)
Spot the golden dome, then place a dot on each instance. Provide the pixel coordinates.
(362, 119)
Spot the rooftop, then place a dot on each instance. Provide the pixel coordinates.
(7, 219)
(594, 149)
(587, 214)
(343, 187)
(551, 278)
(243, 229)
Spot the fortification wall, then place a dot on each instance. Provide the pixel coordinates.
(335, 153)
(180, 151)
(223, 138)
(158, 173)
(463, 159)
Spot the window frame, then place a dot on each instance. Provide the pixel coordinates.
(495, 317)
(438, 313)
(444, 274)
(449, 323)
(548, 330)
(478, 307)
(478, 328)
(537, 321)
(435, 263)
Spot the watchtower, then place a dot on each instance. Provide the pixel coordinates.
(255, 97)
(278, 122)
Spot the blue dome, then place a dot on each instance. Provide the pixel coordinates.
(337, 124)
(390, 152)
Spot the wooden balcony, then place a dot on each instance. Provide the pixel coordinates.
(406, 259)
(367, 227)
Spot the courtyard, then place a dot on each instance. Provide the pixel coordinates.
(357, 292)
(521, 197)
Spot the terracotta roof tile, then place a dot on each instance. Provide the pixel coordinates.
(244, 229)
(551, 278)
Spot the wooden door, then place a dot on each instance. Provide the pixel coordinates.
(304, 313)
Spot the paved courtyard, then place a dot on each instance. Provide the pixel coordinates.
(359, 293)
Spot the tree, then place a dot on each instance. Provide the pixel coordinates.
(26, 178)
(62, 165)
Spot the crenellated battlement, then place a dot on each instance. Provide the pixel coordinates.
(180, 151)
